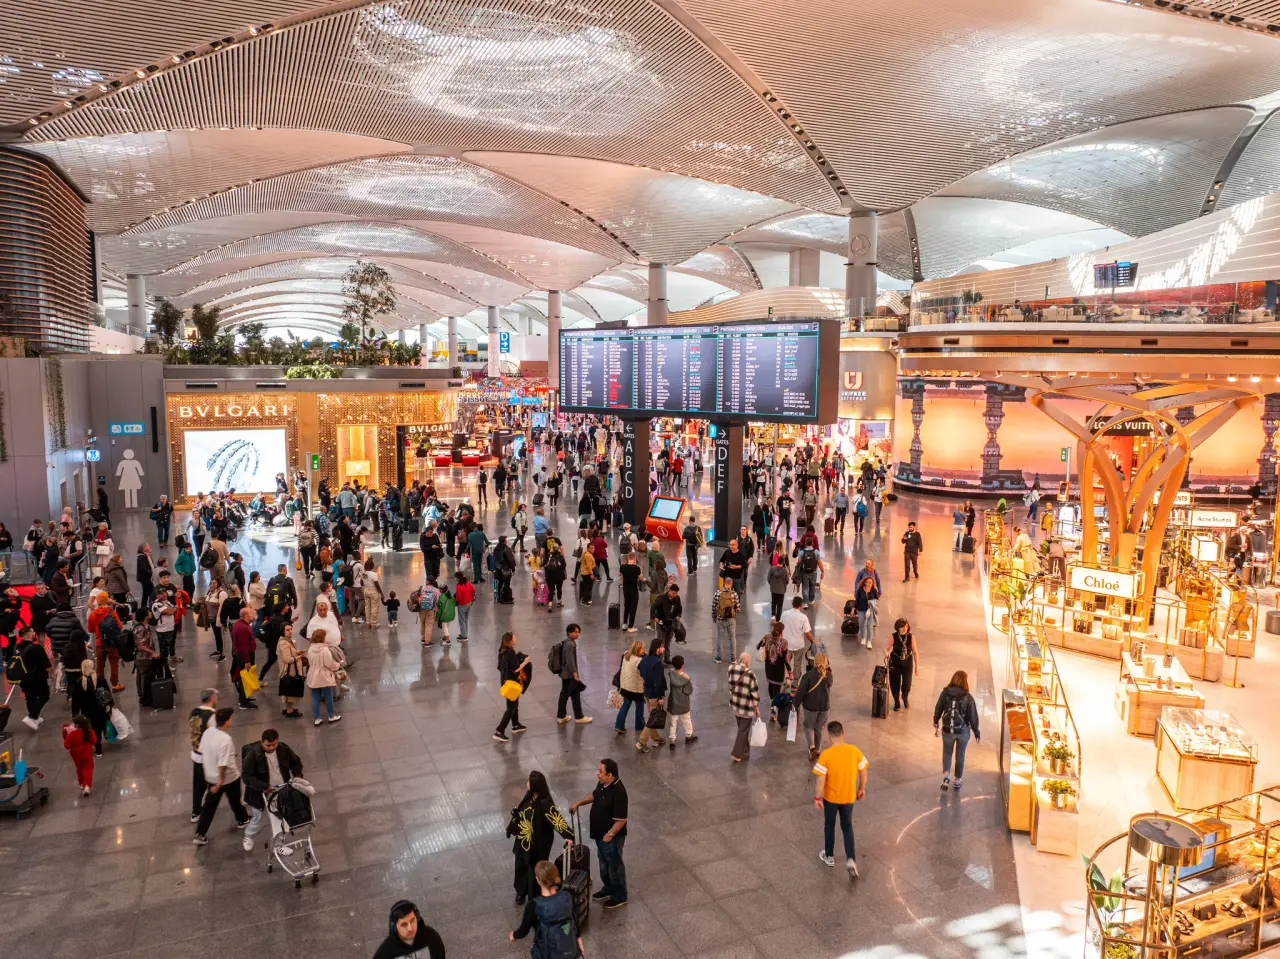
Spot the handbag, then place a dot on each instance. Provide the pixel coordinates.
(613, 700)
(791, 727)
(657, 718)
(511, 690)
(292, 684)
(759, 733)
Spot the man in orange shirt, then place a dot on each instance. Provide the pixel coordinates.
(105, 627)
(841, 772)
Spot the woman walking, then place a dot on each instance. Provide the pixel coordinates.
(904, 663)
(533, 825)
(80, 741)
(813, 695)
(91, 698)
(323, 664)
(866, 603)
(292, 683)
(513, 667)
(631, 686)
(213, 601)
(956, 717)
(307, 544)
(777, 659)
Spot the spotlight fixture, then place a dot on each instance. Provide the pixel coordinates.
(1231, 379)
(1255, 379)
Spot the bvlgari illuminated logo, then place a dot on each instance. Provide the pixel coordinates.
(232, 410)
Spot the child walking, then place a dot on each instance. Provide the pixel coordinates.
(679, 693)
(393, 609)
(464, 594)
(80, 739)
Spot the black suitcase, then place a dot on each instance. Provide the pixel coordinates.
(615, 616)
(578, 886)
(413, 524)
(879, 702)
(162, 691)
(966, 544)
(397, 537)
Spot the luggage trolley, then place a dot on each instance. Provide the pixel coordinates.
(289, 813)
(19, 793)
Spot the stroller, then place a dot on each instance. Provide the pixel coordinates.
(289, 814)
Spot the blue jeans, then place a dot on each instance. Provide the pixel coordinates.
(318, 693)
(867, 626)
(162, 531)
(726, 629)
(627, 703)
(808, 588)
(959, 742)
(613, 874)
(349, 512)
(829, 812)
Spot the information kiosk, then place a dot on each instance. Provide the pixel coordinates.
(664, 516)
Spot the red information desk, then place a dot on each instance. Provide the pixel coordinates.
(663, 520)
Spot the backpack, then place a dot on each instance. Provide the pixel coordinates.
(427, 600)
(724, 604)
(555, 561)
(445, 609)
(15, 671)
(861, 508)
(809, 561)
(275, 597)
(953, 719)
(700, 537)
(554, 659)
(209, 558)
(127, 645)
(105, 699)
(557, 935)
(414, 601)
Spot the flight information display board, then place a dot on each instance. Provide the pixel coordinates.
(744, 371)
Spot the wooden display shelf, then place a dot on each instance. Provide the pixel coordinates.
(1090, 643)
(1194, 782)
(1205, 664)
(1056, 831)
(1140, 708)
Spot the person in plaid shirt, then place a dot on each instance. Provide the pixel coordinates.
(744, 697)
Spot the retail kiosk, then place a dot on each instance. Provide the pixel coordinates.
(664, 516)
(1202, 755)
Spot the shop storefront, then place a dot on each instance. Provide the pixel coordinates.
(241, 441)
(868, 384)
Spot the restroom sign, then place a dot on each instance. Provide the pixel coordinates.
(127, 429)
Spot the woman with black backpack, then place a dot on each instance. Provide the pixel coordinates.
(955, 717)
(550, 915)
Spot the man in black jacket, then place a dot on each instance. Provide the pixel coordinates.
(432, 550)
(504, 567)
(265, 767)
(42, 608)
(667, 611)
(33, 666)
(912, 547)
(285, 584)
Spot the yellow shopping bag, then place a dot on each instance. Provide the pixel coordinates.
(511, 690)
(297, 563)
(249, 681)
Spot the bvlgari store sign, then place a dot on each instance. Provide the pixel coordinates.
(868, 383)
(222, 411)
(1105, 581)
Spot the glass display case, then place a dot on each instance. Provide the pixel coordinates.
(1203, 756)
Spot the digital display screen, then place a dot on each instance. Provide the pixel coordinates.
(244, 460)
(664, 507)
(760, 371)
(1117, 273)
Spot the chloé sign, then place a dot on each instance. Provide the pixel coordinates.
(217, 411)
(1106, 581)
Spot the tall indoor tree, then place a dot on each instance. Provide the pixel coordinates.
(370, 294)
(167, 319)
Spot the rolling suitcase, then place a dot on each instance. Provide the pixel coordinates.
(966, 544)
(397, 537)
(162, 691)
(575, 871)
(829, 526)
(615, 616)
(879, 702)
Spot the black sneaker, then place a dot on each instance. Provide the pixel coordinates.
(600, 896)
(518, 729)
(501, 737)
(614, 903)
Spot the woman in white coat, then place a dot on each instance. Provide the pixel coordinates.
(323, 665)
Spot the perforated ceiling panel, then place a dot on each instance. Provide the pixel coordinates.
(819, 230)
(548, 265)
(356, 239)
(1137, 177)
(612, 78)
(917, 93)
(627, 283)
(406, 188)
(485, 289)
(955, 231)
(663, 217)
(54, 50)
(1257, 172)
(725, 266)
(128, 178)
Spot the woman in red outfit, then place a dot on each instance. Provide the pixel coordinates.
(80, 740)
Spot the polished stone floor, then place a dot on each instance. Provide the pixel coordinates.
(414, 796)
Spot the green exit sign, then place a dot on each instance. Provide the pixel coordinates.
(771, 311)
(315, 462)
(1066, 451)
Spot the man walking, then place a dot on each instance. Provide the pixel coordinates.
(570, 686)
(912, 547)
(197, 723)
(841, 772)
(31, 665)
(724, 612)
(690, 537)
(222, 773)
(162, 515)
(608, 827)
(244, 646)
(268, 765)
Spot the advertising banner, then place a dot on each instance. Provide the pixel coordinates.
(868, 385)
(244, 460)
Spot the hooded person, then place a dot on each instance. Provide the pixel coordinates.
(409, 935)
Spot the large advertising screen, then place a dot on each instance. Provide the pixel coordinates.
(244, 460)
(748, 371)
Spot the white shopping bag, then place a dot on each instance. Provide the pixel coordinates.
(123, 729)
(759, 733)
(791, 727)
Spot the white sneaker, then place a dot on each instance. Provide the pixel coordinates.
(30, 723)
(248, 844)
(852, 866)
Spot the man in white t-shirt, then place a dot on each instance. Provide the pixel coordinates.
(796, 628)
(221, 772)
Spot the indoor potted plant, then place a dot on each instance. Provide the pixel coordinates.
(1059, 756)
(1059, 791)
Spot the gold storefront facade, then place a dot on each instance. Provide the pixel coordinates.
(217, 440)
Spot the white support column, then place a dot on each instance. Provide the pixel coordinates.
(424, 345)
(657, 294)
(136, 287)
(494, 368)
(403, 337)
(860, 271)
(805, 263)
(553, 338)
(453, 341)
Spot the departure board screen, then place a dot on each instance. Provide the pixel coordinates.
(676, 370)
(769, 371)
(742, 371)
(597, 370)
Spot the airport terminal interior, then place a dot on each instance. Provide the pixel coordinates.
(922, 356)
